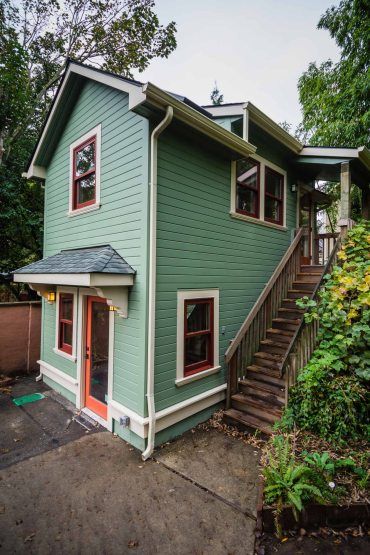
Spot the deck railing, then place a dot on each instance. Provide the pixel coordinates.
(324, 245)
(246, 342)
(303, 342)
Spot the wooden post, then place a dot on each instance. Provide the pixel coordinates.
(365, 208)
(345, 197)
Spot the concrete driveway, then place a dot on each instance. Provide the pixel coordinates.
(93, 494)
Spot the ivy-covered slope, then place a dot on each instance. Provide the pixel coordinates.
(331, 398)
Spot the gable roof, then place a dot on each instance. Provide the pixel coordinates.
(102, 259)
(144, 99)
(254, 114)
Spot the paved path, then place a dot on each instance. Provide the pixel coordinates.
(94, 495)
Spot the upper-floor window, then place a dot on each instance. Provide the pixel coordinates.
(84, 174)
(84, 194)
(258, 192)
(274, 196)
(248, 185)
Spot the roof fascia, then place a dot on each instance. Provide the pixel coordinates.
(226, 111)
(272, 128)
(188, 115)
(362, 153)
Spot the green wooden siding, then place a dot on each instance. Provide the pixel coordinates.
(199, 246)
(121, 222)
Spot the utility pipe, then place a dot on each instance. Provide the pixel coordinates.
(152, 277)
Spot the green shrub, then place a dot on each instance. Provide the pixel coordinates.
(331, 397)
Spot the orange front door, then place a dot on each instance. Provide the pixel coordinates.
(96, 356)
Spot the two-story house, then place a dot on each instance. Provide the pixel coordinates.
(164, 221)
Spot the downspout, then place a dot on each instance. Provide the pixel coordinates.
(152, 278)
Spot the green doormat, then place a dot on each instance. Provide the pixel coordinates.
(31, 398)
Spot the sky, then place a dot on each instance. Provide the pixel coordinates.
(256, 50)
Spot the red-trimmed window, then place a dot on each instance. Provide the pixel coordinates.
(198, 335)
(247, 187)
(84, 174)
(65, 339)
(274, 196)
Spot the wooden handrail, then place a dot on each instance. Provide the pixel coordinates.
(262, 298)
(309, 330)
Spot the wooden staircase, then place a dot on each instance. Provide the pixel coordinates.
(274, 342)
(261, 394)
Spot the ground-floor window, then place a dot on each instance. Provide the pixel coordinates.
(197, 333)
(66, 321)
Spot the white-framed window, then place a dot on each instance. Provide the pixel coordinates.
(66, 322)
(259, 192)
(197, 334)
(84, 173)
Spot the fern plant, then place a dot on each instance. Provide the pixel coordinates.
(286, 481)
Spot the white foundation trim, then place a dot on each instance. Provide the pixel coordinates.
(182, 296)
(95, 132)
(264, 163)
(63, 379)
(139, 424)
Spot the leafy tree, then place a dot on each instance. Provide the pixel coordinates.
(335, 97)
(36, 39)
(216, 97)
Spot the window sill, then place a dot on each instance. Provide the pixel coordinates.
(183, 381)
(72, 358)
(245, 218)
(89, 208)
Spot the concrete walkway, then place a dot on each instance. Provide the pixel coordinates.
(94, 495)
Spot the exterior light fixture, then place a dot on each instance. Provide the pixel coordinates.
(51, 297)
(294, 188)
(112, 308)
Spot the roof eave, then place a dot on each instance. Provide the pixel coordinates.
(272, 128)
(188, 115)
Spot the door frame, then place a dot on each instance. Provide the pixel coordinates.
(90, 402)
(83, 293)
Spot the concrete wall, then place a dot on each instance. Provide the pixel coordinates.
(20, 330)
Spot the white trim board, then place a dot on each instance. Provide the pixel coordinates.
(78, 280)
(139, 424)
(63, 379)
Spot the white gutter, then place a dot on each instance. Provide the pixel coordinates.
(152, 278)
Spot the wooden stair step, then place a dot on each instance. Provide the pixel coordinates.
(260, 360)
(256, 407)
(263, 395)
(305, 276)
(289, 303)
(297, 293)
(285, 324)
(236, 416)
(315, 268)
(304, 285)
(254, 384)
(265, 374)
(295, 313)
(274, 347)
(285, 334)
